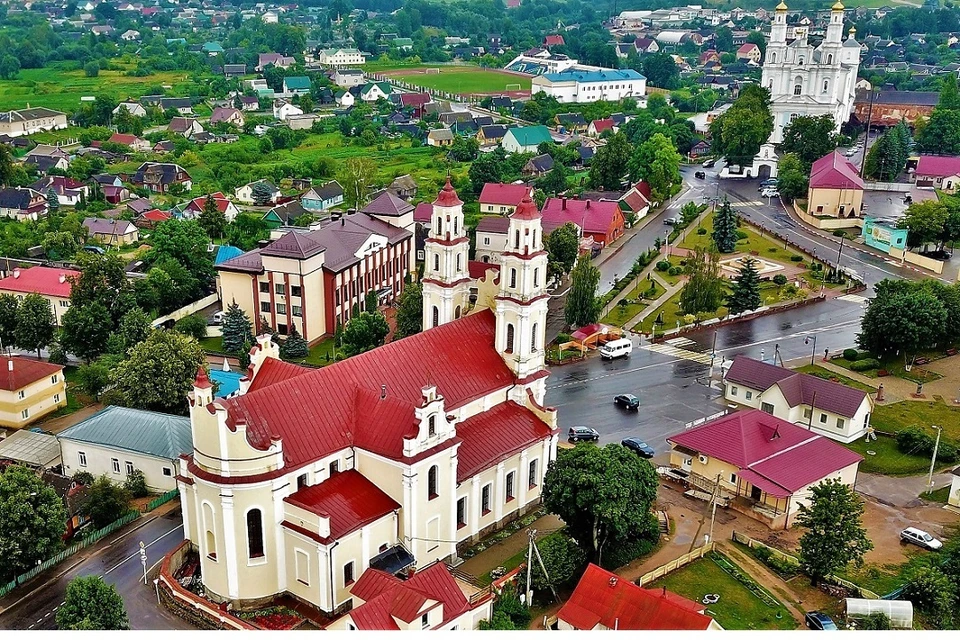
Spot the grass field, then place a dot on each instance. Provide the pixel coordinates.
(463, 80)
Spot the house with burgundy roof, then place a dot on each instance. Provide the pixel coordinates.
(502, 198)
(836, 188)
(603, 601)
(391, 460)
(599, 126)
(194, 208)
(29, 389)
(939, 172)
(600, 219)
(50, 283)
(830, 408)
(135, 143)
(765, 466)
(67, 190)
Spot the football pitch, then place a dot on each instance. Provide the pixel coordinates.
(463, 80)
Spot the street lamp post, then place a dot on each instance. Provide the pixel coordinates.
(933, 459)
(813, 354)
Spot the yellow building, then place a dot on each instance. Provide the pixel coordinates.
(53, 284)
(836, 188)
(29, 389)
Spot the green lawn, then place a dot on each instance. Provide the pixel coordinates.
(910, 413)
(826, 374)
(895, 367)
(509, 564)
(940, 495)
(737, 608)
(672, 313)
(882, 579)
(882, 456)
(765, 246)
(212, 344)
(621, 314)
(464, 80)
(671, 280)
(320, 354)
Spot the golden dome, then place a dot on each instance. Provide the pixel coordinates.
(782, 6)
(838, 6)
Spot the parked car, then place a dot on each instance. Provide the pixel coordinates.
(218, 317)
(766, 184)
(639, 447)
(709, 163)
(616, 349)
(627, 401)
(93, 249)
(671, 221)
(920, 538)
(770, 193)
(700, 175)
(578, 434)
(819, 621)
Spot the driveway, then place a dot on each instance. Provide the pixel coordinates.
(899, 492)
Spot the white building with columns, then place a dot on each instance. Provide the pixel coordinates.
(806, 79)
(391, 460)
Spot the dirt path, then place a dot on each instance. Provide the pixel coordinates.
(56, 425)
(495, 556)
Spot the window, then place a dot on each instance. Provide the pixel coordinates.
(749, 395)
(281, 309)
(823, 418)
(461, 513)
(840, 423)
(509, 346)
(459, 261)
(254, 534)
(436, 316)
(64, 303)
(536, 277)
(807, 413)
(116, 465)
(282, 328)
(425, 621)
(348, 573)
(82, 458)
(829, 61)
(486, 240)
(21, 394)
(797, 88)
(301, 481)
(733, 478)
(766, 407)
(56, 398)
(303, 567)
(297, 311)
(264, 287)
(484, 498)
(211, 538)
(54, 379)
(532, 474)
(733, 391)
(383, 547)
(508, 486)
(280, 288)
(826, 86)
(265, 307)
(432, 482)
(334, 467)
(167, 471)
(513, 278)
(351, 626)
(436, 262)
(129, 467)
(431, 426)
(516, 242)
(773, 57)
(533, 338)
(295, 291)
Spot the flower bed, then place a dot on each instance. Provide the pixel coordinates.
(274, 618)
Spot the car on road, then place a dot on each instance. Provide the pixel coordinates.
(766, 184)
(709, 163)
(639, 447)
(920, 538)
(699, 175)
(819, 621)
(580, 434)
(671, 221)
(92, 249)
(627, 401)
(770, 193)
(616, 349)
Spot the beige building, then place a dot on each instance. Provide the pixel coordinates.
(836, 188)
(27, 121)
(111, 232)
(52, 284)
(765, 467)
(29, 389)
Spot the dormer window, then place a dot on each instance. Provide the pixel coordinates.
(431, 426)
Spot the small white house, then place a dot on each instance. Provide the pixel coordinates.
(345, 99)
(118, 440)
(133, 108)
(283, 110)
(244, 194)
(953, 500)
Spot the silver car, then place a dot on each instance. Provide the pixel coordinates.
(920, 538)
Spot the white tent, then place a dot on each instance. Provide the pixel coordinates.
(900, 612)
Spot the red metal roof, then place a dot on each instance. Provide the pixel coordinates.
(747, 48)
(24, 371)
(505, 194)
(938, 166)
(478, 268)
(526, 210)
(602, 597)
(46, 281)
(603, 125)
(414, 99)
(583, 333)
(348, 499)
(219, 199)
(423, 213)
(448, 196)
(590, 215)
(833, 171)
(495, 435)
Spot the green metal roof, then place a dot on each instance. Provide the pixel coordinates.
(146, 432)
(528, 136)
(297, 82)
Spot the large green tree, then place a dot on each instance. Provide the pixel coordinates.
(8, 320)
(703, 291)
(486, 168)
(925, 222)
(183, 242)
(237, 329)
(738, 132)
(933, 594)
(563, 558)
(581, 306)
(809, 138)
(941, 135)
(903, 317)
(835, 536)
(657, 162)
(91, 604)
(102, 279)
(213, 221)
(357, 178)
(661, 70)
(409, 316)
(86, 330)
(32, 521)
(107, 502)
(563, 247)
(603, 494)
(609, 165)
(35, 323)
(363, 332)
(792, 178)
(159, 372)
(295, 346)
(745, 294)
(888, 155)
(725, 228)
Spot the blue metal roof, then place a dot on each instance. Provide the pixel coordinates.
(229, 381)
(146, 432)
(604, 75)
(226, 252)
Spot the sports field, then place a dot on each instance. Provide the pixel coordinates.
(463, 80)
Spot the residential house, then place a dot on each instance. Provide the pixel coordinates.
(749, 52)
(347, 78)
(227, 115)
(138, 206)
(405, 187)
(244, 194)
(338, 57)
(133, 108)
(939, 172)
(836, 188)
(150, 219)
(701, 148)
(597, 127)
(322, 198)
(275, 59)
(164, 146)
(440, 137)
(829, 408)
(765, 467)
(29, 389)
(183, 106)
(344, 99)
(491, 135)
(185, 127)
(135, 143)
(67, 190)
(646, 45)
(574, 85)
(403, 44)
(194, 208)
(112, 187)
(709, 57)
(283, 110)
(538, 166)
(117, 441)
(602, 220)
(22, 204)
(45, 163)
(24, 122)
(160, 177)
(113, 233)
(284, 215)
(491, 238)
(249, 103)
(130, 35)
(571, 122)
(234, 70)
(296, 85)
(53, 284)
(415, 101)
(502, 199)
(373, 91)
(525, 139)
(554, 40)
(603, 601)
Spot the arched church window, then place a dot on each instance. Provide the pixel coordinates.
(536, 277)
(798, 87)
(513, 278)
(456, 312)
(800, 61)
(211, 537)
(436, 316)
(254, 533)
(432, 483)
(432, 424)
(459, 261)
(533, 338)
(516, 242)
(436, 262)
(773, 56)
(456, 226)
(830, 58)
(826, 86)
(509, 347)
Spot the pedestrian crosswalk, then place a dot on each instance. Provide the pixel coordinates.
(752, 203)
(677, 352)
(852, 297)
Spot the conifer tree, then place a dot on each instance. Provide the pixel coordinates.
(725, 228)
(237, 329)
(746, 289)
(295, 346)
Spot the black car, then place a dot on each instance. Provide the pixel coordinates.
(627, 401)
(700, 175)
(580, 434)
(639, 447)
(819, 621)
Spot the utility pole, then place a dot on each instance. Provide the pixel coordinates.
(546, 575)
(933, 459)
(532, 535)
(713, 500)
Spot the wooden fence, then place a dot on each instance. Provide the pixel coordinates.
(673, 565)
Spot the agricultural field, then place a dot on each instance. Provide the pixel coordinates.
(462, 79)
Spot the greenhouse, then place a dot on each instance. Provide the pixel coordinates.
(900, 612)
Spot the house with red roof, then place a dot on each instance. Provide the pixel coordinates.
(322, 483)
(416, 102)
(29, 389)
(600, 219)
(939, 172)
(553, 40)
(195, 207)
(749, 53)
(135, 143)
(502, 199)
(53, 284)
(597, 127)
(637, 199)
(150, 219)
(227, 115)
(836, 188)
(765, 466)
(830, 408)
(603, 601)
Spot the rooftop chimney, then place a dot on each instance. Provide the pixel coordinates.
(16, 273)
(383, 391)
(563, 203)
(613, 581)
(63, 278)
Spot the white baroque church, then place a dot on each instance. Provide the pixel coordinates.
(809, 80)
(326, 484)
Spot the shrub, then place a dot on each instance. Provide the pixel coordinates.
(865, 365)
(193, 325)
(83, 477)
(742, 235)
(771, 249)
(689, 318)
(851, 354)
(701, 231)
(840, 233)
(779, 279)
(563, 337)
(664, 265)
(873, 622)
(796, 258)
(563, 558)
(674, 271)
(136, 484)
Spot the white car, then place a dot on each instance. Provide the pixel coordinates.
(769, 193)
(920, 538)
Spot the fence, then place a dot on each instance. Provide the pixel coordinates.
(183, 312)
(673, 565)
(161, 500)
(69, 551)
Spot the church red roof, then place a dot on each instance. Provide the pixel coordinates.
(348, 499)
(505, 194)
(526, 210)
(495, 435)
(448, 196)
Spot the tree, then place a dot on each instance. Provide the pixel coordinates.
(194, 325)
(35, 323)
(609, 165)
(91, 69)
(237, 329)
(888, 155)
(409, 316)
(792, 180)
(486, 168)
(364, 331)
(809, 138)
(555, 181)
(7, 166)
(738, 133)
(136, 484)
(745, 295)
(933, 594)
(703, 291)
(835, 535)
(86, 330)
(949, 95)
(295, 346)
(32, 521)
(53, 202)
(603, 494)
(9, 305)
(59, 245)
(94, 377)
(924, 221)
(563, 558)
(357, 178)
(261, 193)
(941, 134)
(159, 372)
(661, 70)
(213, 221)
(901, 318)
(582, 307)
(725, 228)
(563, 247)
(757, 38)
(183, 242)
(464, 149)
(102, 279)
(657, 162)
(91, 604)
(9, 67)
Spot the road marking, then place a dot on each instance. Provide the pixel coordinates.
(852, 297)
(682, 341)
(146, 546)
(47, 614)
(685, 354)
(752, 203)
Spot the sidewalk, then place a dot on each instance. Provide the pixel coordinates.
(666, 295)
(494, 556)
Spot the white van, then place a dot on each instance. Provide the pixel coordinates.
(616, 348)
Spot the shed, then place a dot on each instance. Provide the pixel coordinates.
(900, 612)
(31, 449)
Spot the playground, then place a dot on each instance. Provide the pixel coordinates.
(464, 80)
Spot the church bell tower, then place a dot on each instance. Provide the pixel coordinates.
(446, 279)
